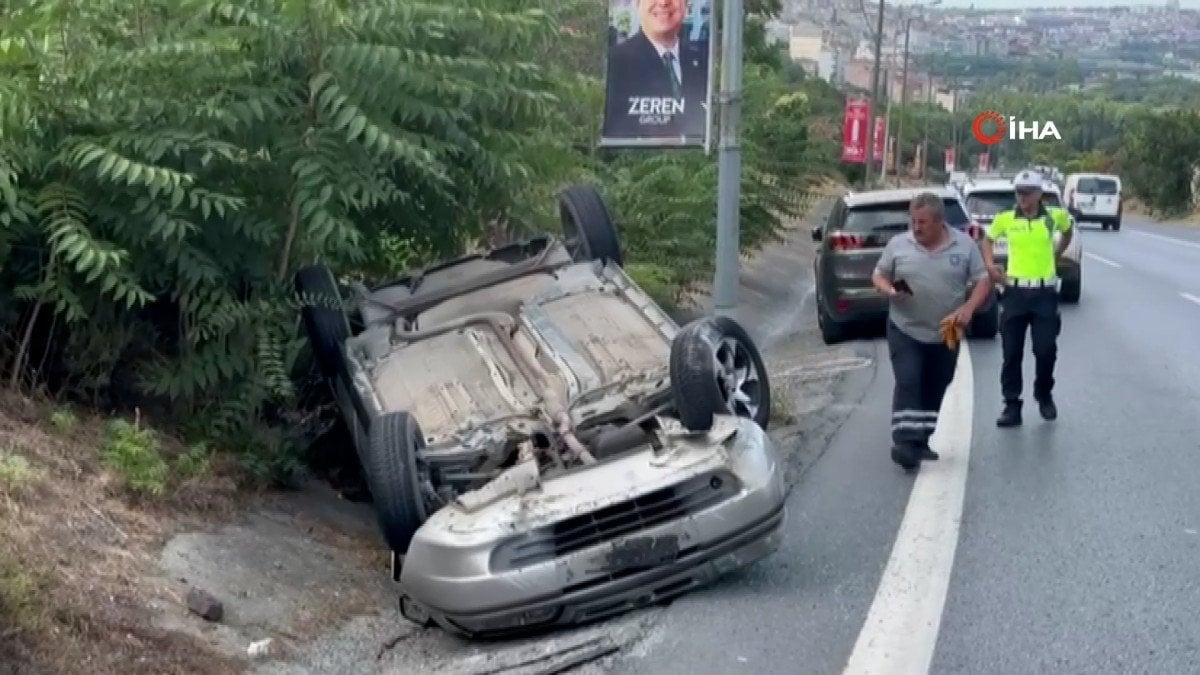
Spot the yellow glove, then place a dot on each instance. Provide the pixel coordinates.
(952, 333)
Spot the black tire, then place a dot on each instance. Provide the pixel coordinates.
(832, 332)
(587, 226)
(700, 388)
(1116, 224)
(1071, 289)
(325, 321)
(1104, 225)
(985, 325)
(390, 466)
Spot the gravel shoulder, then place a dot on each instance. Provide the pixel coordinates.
(305, 569)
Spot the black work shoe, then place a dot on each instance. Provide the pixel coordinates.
(926, 453)
(1048, 409)
(904, 456)
(1011, 417)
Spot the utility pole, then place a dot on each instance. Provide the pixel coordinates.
(903, 102)
(925, 138)
(887, 120)
(874, 99)
(729, 162)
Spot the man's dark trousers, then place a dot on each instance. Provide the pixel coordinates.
(1035, 310)
(922, 371)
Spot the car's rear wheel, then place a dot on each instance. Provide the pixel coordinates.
(985, 325)
(588, 228)
(717, 369)
(390, 466)
(325, 320)
(1116, 224)
(832, 332)
(1071, 289)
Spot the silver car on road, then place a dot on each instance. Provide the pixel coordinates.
(544, 445)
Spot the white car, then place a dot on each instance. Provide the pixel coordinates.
(986, 198)
(1095, 197)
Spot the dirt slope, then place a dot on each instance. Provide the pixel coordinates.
(306, 570)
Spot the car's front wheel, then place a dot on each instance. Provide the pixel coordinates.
(717, 369)
(390, 466)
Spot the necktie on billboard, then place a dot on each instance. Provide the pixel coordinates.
(669, 60)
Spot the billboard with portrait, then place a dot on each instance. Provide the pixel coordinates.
(658, 86)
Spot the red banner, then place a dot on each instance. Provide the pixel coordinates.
(854, 131)
(879, 138)
(949, 160)
(983, 162)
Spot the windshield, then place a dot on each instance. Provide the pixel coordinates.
(990, 203)
(895, 216)
(1097, 186)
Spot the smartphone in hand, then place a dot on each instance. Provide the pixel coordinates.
(903, 287)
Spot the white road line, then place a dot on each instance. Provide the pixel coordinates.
(1102, 259)
(901, 630)
(1172, 240)
(1190, 297)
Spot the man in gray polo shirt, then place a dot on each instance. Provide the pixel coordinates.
(939, 267)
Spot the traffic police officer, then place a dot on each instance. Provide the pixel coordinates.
(1029, 300)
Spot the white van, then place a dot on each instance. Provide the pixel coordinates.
(1096, 198)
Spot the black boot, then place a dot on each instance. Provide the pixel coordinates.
(926, 453)
(1047, 408)
(904, 455)
(1011, 417)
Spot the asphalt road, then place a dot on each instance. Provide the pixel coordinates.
(1072, 545)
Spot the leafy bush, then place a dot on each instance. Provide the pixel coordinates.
(165, 166)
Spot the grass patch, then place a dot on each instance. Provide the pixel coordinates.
(18, 594)
(16, 473)
(63, 421)
(134, 453)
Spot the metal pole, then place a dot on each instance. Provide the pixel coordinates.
(925, 136)
(887, 126)
(729, 162)
(874, 99)
(903, 102)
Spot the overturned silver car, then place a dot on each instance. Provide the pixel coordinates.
(543, 444)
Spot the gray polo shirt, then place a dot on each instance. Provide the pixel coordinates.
(940, 280)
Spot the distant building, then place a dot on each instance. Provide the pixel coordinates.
(831, 67)
(805, 42)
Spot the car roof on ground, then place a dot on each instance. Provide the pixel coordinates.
(872, 197)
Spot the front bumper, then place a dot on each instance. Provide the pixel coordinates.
(564, 553)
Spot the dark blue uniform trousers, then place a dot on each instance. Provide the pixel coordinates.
(922, 371)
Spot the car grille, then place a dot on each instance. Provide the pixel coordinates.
(648, 510)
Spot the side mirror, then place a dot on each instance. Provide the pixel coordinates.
(816, 234)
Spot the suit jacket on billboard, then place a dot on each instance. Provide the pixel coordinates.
(635, 70)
